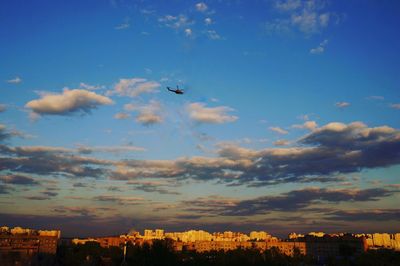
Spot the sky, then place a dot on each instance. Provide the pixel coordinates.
(289, 121)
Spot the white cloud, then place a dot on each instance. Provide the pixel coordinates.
(15, 80)
(176, 22)
(86, 86)
(201, 7)
(68, 102)
(213, 35)
(288, 5)
(279, 130)
(122, 26)
(320, 48)
(324, 19)
(279, 26)
(208, 21)
(214, 115)
(134, 87)
(342, 104)
(304, 16)
(122, 116)
(395, 106)
(376, 97)
(188, 32)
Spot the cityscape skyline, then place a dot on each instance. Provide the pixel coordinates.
(288, 121)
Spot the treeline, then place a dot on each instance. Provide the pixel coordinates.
(161, 253)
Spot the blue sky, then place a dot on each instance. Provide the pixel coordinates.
(290, 112)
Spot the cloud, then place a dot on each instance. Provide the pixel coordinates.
(134, 87)
(151, 186)
(376, 97)
(124, 200)
(288, 5)
(15, 80)
(213, 35)
(50, 193)
(5, 189)
(149, 114)
(188, 32)
(179, 22)
(279, 130)
(201, 7)
(214, 115)
(310, 125)
(320, 48)
(67, 103)
(287, 202)
(108, 149)
(80, 184)
(122, 26)
(281, 142)
(395, 106)
(18, 180)
(37, 197)
(7, 133)
(64, 162)
(3, 107)
(122, 116)
(328, 151)
(342, 104)
(86, 86)
(366, 215)
(308, 21)
(307, 17)
(208, 21)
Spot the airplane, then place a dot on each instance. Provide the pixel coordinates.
(177, 90)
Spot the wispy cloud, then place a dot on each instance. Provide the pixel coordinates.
(281, 142)
(122, 26)
(15, 80)
(86, 86)
(148, 114)
(122, 116)
(320, 48)
(18, 179)
(6, 133)
(307, 17)
(179, 22)
(124, 200)
(208, 21)
(395, 106)
(279, 130)
(108, 149)
(201, 7)
(342, 104)
(134, 87)
(376, 97)
(213, 35)
(214, 115)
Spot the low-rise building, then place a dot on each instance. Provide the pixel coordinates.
(28, 241)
